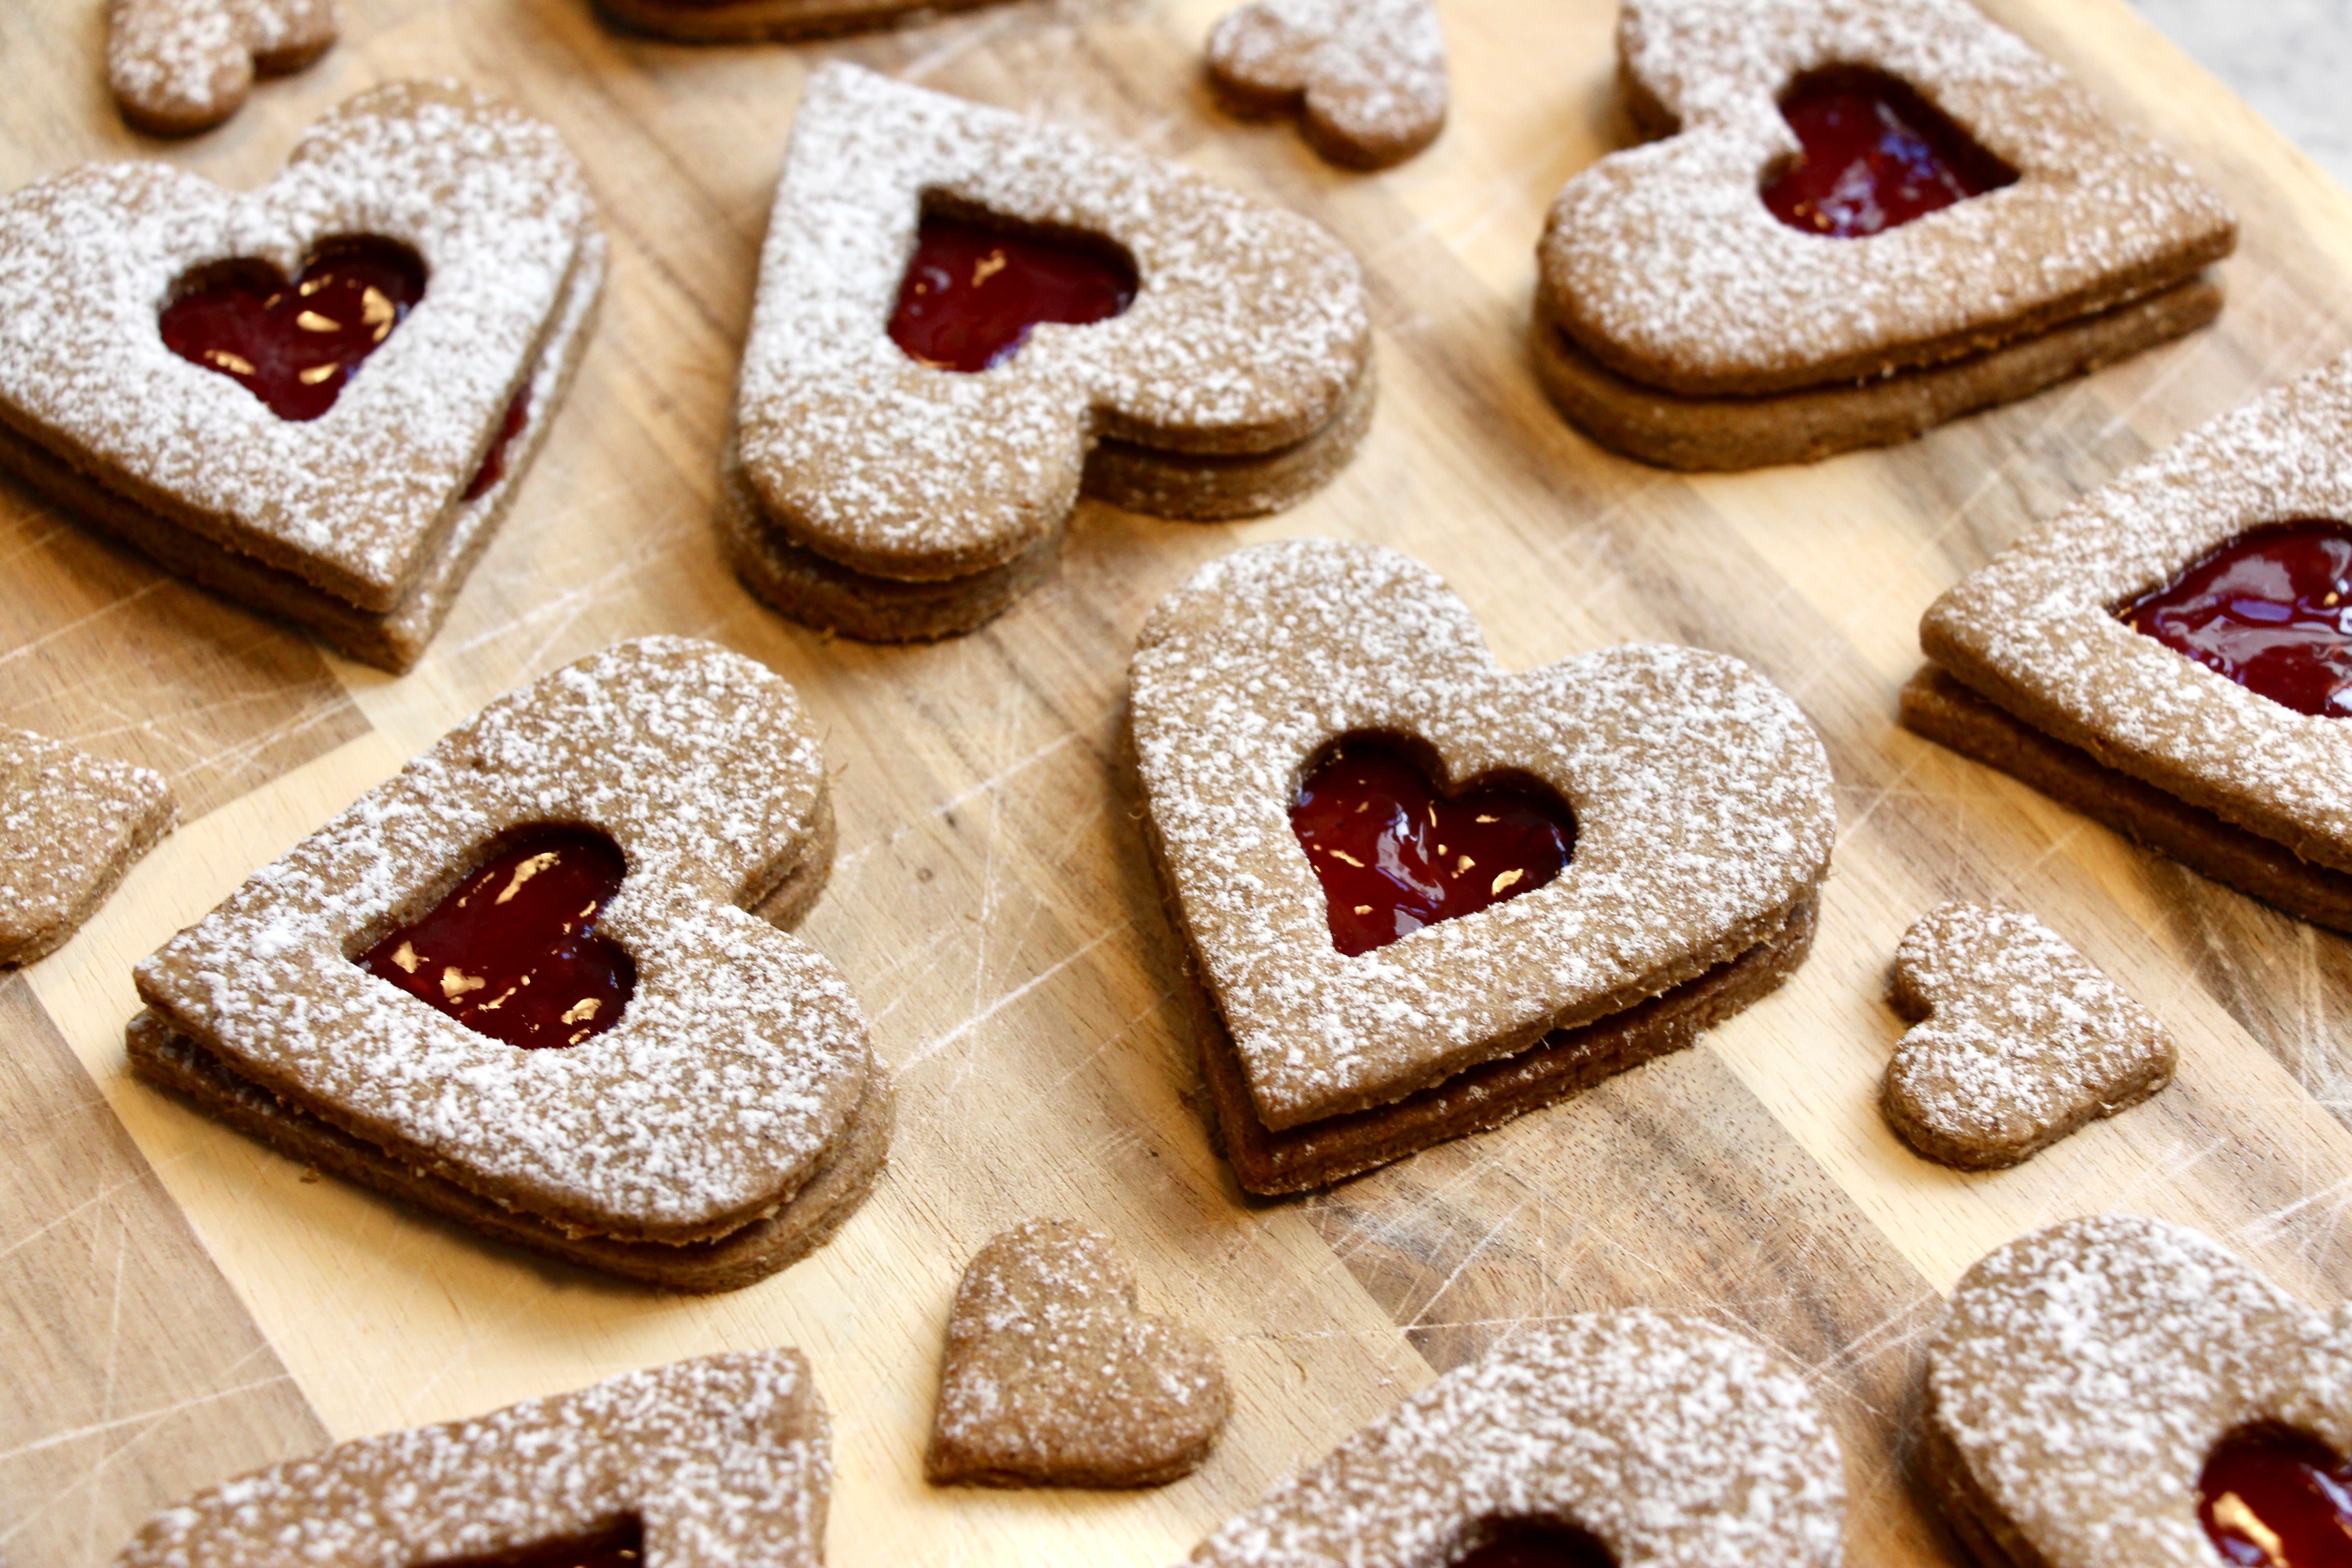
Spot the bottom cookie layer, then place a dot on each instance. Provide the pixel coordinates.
(1491, 1093)
(173, 1061)
(1990, 1539)
(1937, 705)
(1676, 431)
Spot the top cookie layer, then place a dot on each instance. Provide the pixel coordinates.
(739, 1060)
(1246, 334)
(2033, 627)
(1701, 795)
(356, 501)
(1664, 264)
(1678, 1445)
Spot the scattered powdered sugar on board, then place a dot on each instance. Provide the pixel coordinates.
(1701, 795)
(724, 1460)
(739, 1060)
(1677, 1444)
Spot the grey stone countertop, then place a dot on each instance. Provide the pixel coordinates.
(2292, 60)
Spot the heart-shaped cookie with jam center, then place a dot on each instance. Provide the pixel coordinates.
(521, 983)
(707, 1463)
(1052, 1377)
(2167, 653)
(2121, 1390)
(1895, 192)
(1367, 77)
(180, 66)
(1672, 821)
(1630, 1438)
(965, 315)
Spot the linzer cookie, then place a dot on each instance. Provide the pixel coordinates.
(1425, 896)
(317, 399)
(1054, 1377)
(2019, 1041)
(2167, 656)
(70, 825)
(1621, 1437)
(178, 67)
(1865, 218)
(520, 984)
(708, 1463)
(1367, 78)
(965, 318)
(2121, 1390)
(742, 21)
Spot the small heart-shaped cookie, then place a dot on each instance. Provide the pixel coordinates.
(71, 824)
(1702, 825)
(1053, 1378)
(2089, 1375)
(1697, 307)
(1367, 77)
(701, 1123)
(178, 67)
(895, 497)
(721, 1460)
(1667, 1441)
(2021, 1040)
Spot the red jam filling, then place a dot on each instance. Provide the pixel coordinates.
(494, 461)
(1876, 155)
(513, 952)
(972, 291)
(1537, 1543)
(2272, 610)
(1394, 857)
(2272, 1498)
(623, 1546)
(293, 345)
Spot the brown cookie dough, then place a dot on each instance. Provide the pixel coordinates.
(722, 1127)
(1665, 1439)
(1704, 824)
(2085, 1373)
(2019, 1040)
(707, 1463)
(1052, 1377)
(1367, 78)
(71, 824)
(1678, 319)
(178, 67)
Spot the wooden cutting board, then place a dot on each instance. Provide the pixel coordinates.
(177, 1304)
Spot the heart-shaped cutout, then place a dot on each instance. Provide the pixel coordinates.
(972, 291)
(178, 67)
(2270, 1497)
(2269, 610)
(1052, 1377)
(1656, 1440)
(2020, 1040)
(2092, 1377)
(1873, 155)
(1366, 76)
(294, 343)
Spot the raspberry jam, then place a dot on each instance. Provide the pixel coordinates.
(2272, 610)
(513, 952)
(2272, 1498)
(1394, 857)
(293, 345)
(623, 1546)
(1876, 155)
(1537, 1543)
(494, 461)
(971, 292)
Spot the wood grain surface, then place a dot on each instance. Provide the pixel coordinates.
(176, 1304)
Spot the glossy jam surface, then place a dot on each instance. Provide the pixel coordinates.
(971, 292)
(494, 461)
(2271, 1498)
(2272, 610)
(1536, 1543)
(1395, 857)
(513, 952)
(624, 1546)
(1876, 155)
(294, 345)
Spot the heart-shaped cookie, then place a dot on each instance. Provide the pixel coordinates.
(2086, 1377)
(2260, 794)
(359, 521)
(2021, 1040)
(1665, 1440)
(1703, 821)
(71, 824)
(895, 497)
(721, 1460)
(701, 1127)
(1052, 1377)
(183, 66)
(1367, 77)
(1684, 320)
